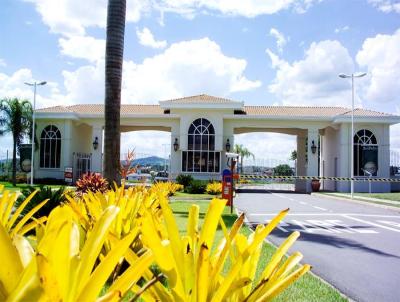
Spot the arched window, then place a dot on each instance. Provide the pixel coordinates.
(200, 156)
(365, 153)
(50, 147)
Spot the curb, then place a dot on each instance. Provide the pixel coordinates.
(359, 201)
(246, 221)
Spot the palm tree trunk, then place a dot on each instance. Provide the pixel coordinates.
(113, 78)
(241, 164)
(14, 162)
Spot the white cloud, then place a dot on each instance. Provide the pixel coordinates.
(146, 38)
(386, 6)
(280, 38)
(185, 68)
(249, 9)
(314, 79)
(342, 29)
(269, 149)
(83, 47)
(143, 145)
(72, 17)
(2, 63)
(12, 86)
(380, 55)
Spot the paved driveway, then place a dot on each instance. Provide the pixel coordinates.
(354, 247)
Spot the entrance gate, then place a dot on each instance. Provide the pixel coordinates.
(83, 164)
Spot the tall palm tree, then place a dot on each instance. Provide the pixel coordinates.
(15, 118)
(116, 13)
(243, 153)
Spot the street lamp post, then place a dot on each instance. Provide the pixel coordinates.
(34, 84)
(352, 76)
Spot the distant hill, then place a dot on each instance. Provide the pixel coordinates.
(149, 161)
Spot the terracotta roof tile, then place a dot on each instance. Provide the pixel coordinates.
(201, 98)
(291, 111)
(309, 111)
(99, 109)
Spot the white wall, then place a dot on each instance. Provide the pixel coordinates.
(381, 132)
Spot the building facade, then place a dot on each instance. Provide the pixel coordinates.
(202, 126)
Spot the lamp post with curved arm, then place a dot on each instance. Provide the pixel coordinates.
(352, 76)
(34, 84)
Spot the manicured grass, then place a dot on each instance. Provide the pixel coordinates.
(307, 289)
(8, 186)
(387, 196)
(387, 199)
(194, 196)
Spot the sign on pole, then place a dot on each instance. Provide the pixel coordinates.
(68, 175)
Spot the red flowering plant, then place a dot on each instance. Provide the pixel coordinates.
(126, 165)
(91, 182)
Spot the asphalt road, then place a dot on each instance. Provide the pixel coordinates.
(354, 247)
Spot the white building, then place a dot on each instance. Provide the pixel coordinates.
(202, 126)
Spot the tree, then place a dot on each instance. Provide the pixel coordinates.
(16, 119)
(293, 155)
(283, 170)
(116, 13)
(243, 153)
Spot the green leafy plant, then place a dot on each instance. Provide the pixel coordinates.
(196, 187)
(184, 179)
(54, 198)
(283, 170)
(91, 182)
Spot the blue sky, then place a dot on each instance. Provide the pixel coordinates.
(281, 52)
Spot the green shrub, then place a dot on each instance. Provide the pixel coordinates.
(196, 187)
(55, 198)
(184, 180)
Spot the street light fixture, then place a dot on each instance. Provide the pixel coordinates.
(34, 84)
(352, 76)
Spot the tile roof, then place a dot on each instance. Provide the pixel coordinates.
(201, 98)
(99, 109)
(309, 111)
(290, 111)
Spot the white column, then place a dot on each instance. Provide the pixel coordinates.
(97, 158)
(176, 156)
(312, 164)
(300, 185)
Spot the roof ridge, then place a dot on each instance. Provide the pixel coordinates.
(285, 106)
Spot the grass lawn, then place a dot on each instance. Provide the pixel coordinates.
(194, 196)
(307, 289)
(8, 186)
(394, 198)
(388, 196)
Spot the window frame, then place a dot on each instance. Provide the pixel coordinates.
(50, 138)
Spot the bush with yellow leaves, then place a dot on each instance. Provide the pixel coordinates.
(214, 188)
(77, 250)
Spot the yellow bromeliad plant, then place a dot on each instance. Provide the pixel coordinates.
(194, 266)
(214, 188)
(168, 188)
(65, 265)
(10, 215)
(132, 204)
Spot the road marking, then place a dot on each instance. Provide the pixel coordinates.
(391, 223)
(325, 214)
(319, 208)
(372, 223)
(302, 202)
(312, 226)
